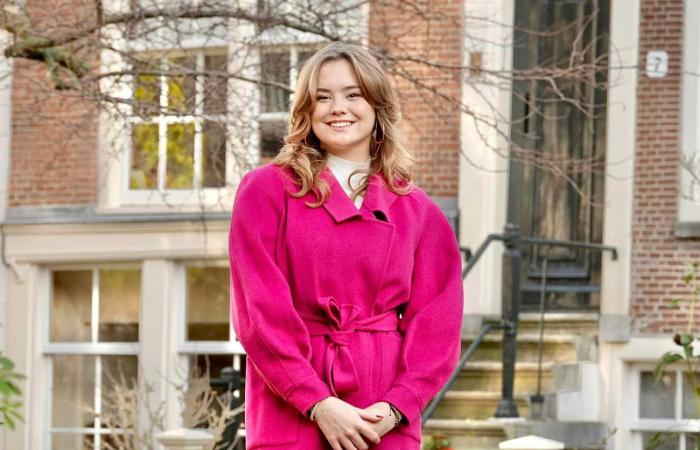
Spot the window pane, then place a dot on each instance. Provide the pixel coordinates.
(221, 386)
(181, 87)
(180, 162)
(656, 399)
(271, 138)
(215, 86)
(119, 379)
(207, 304)
(302, 57)
(73, 393)
(65, 441)
(144, 157)
(215, 363)
(691, 441)
(689, 400)
(146, 89)
(661, 441)
(120, 294)
(274, 68)
(214, 154)
(71, 306)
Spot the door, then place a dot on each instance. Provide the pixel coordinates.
(558, 152)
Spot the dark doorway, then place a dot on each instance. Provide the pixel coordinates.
(566, 205)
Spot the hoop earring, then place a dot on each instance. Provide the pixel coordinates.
(377, 130)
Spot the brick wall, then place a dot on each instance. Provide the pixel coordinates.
(431, 122)
(658, 258)
(54, 134)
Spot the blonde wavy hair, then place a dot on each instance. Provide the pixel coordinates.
(302, 149)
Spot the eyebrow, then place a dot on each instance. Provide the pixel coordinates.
(346, 88)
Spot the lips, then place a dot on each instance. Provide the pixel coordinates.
(339, 124)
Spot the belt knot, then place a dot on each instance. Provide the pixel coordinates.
(339, 324)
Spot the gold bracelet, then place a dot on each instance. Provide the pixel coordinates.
(313, 410)
(316, 411)
(396, 413)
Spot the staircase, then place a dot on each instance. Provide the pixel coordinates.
(466, 413)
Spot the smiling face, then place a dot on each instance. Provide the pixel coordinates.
(341, 118)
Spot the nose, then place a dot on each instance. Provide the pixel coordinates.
(338, 107)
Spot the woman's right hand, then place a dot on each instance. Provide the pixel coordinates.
(345, 426)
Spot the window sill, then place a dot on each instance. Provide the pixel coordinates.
(90, 214)
(687, 230)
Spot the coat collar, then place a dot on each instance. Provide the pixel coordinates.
(378, 197)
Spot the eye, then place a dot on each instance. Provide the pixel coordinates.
(355, 94)
(321, 97)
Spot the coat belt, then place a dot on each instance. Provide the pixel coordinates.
(338, 325)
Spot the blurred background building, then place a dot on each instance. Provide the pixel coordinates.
(574, 120)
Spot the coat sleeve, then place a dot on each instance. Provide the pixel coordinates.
(432, 319)
(262, 311)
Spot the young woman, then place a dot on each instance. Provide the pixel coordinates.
(346, 290)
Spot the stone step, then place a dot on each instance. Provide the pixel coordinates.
(556, 347)
(466, 434)
(475, 405)
(583, 323)
(486, 376)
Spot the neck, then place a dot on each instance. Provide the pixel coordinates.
(359, 155)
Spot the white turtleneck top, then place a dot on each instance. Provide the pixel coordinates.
(342, 168)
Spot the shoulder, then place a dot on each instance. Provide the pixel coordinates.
(269, 176)
(268, 180)
(430, 218)
(421, 202)
(263, 189)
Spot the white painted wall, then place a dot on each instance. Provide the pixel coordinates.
(617, 227)
(483, 177)
(5, 134)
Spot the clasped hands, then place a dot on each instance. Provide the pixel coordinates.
(349, 428)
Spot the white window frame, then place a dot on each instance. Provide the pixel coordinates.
(161, 194)
(187, 350)
(677, 425)
(92, 348)
(294, 49)
(689, 191)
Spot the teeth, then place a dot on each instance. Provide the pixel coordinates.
(341, 124)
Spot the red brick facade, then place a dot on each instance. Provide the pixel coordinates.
(432, 123)
(54, 134)
(658, 258)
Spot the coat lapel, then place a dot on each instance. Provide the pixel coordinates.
(377, 198)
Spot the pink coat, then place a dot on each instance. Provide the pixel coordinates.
(362, 304)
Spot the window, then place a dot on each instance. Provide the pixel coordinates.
(93, 331)
(665, 412)
(278, 65)
(689, 188)
(178, 133)
(208, 339)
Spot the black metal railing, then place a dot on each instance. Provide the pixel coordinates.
(512, 240)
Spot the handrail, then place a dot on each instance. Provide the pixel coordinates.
(512, 239)
(485, 329)
(471, 261)
(480, 251)
(573, 244)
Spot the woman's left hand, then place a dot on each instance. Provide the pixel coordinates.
(387, 423)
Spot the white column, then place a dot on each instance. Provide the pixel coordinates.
(158, 281)
(483, 175)
(5, 135)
